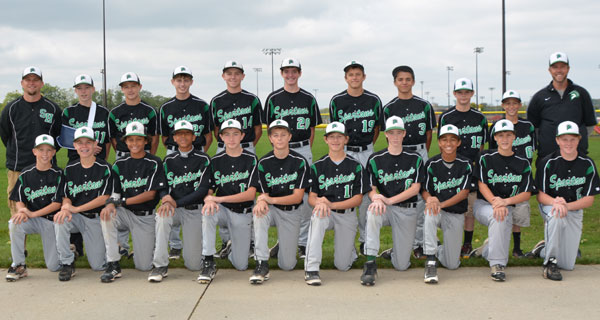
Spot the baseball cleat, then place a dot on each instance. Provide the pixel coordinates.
(537, 249)
(274, 251)
(518, 254)
(312, 278)
(67, 271)
(465, 251)
(251, 251)
(174, 254)
(73, 249)
(418, 253)
(208, 272)
(369, 272)
(225, 250)
(112, 272)
(124, 252)
(386, 254)
(302, 252)
(431, 272)
(16, 273)
(478, 252)
(498, 272)
(551, 270)
(362, 249)
(158, 273)
(261, 272)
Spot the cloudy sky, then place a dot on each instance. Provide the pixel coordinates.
(64, 38)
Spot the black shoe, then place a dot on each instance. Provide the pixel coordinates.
(369, 272)
(386, 254)
(551, 270)
(302, 252)
(113, 271)
(125, 253)
(251, 252)
(16, 273)
(498, 272)
(418, 253)
(465, 250)
(535, 252)
(478, 252)
(67, 271)
(518, 253)
(362, 249)
(208, 272)
(261, 272)
(431, 272)
(274, 251)
(158, 273)
(225, 250)
(312, 278)
(174, 254)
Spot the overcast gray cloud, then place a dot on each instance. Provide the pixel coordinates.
(152, 37)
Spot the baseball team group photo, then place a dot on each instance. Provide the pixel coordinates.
(283, 183)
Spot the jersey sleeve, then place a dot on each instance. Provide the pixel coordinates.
(333, 110)
(360, 182)
(526, 184)
(17, 193)
(588, 112)
(592, 186)
(206, 114)
(484, 127)
(316, 118)
(254, 175)
(314, 186)
(492, 143)
(112, 125)
(163, 124)
(430, 114)
(428, 183)
(56, 124)
(256, 112)
(480, 166)
(420, 173)
(262, 183)
(116, 179)
(303, 175)
(109, 182)
(152, 129)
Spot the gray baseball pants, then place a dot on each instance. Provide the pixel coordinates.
(448, 253)
(362, 157)
(344, 226)
(305, 209)
(191, 223)
(239, 225)
(288, 229)
(562, 237)
(496, 250)
(92, 239)
(37, 225)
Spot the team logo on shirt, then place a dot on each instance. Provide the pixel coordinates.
(556, 182)
(470, 129)
(135, 183)
(229, 178)
(355, 115)
(243, 111)
(284, 179)
(121, 125)
(293, 111)
(574, 94)
(46, 116)
(75, 189)
(76, 124)
(34, 194)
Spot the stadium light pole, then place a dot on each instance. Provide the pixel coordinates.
(422, 88)
(104, 97)
(271, 52)
(503, 47)
(449, 68)
(257, 70)
(492, 96)
(477, 51)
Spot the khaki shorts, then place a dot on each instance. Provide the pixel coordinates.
(471, 199)
(12, 180)
(521, 214)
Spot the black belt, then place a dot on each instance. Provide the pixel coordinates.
(50, 216)
(121, 154)
(90, 215)
(340, 210)
(357, 148)
(414, 147)
(142, 213)
(172, 148)
(243, 144)
(409, 205)
(192, 207)
(299, 144)
(240, 210)
(287, 208)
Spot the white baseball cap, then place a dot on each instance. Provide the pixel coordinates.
(83, 79)
(567, 127)
(129, 77)
(449, 129)
(84, 132)
(463, 84)
(44, 139)
(279, 124)
(355, 64)
(32, 70)
(394, 122)
(290, 63)
(183, 125)
(503, 125)
(335, 127)
(135, 128)
(558, 57)
(231, 123)
(511, 94)
(182, 70)
(233, 64)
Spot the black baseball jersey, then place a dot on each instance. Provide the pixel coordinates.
(279, 177)
(124, 114)
(186, 174)
(418, 116)
(300, 110)
(547, 109)
(82, 185)
(233, 175)
(393, 174)
(76, 116)
(472, 127)
(338, 181)
(444, 180)
(136, 176)
(359, 114)
(37, 189)
(571, 180)
(505, 176)
(525, 140)
(243, 106)
(20, 123)
(192, 109)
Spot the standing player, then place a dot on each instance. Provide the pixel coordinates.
(395, 178)
(338, 185)
(283, 177)
(523, 146)
(419, 121)
(229, 203)
(186, 172)
(184, 106)
(567, 181)
(359, 110)
(87, 184)
(300, 110)
(141, 177)
(21, 121)
(445, 190)
(473, 128)
(504, 179)
(35, 194)
(559, 101)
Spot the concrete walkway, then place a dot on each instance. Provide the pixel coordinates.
(467, 293)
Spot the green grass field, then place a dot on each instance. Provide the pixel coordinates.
(590, 240)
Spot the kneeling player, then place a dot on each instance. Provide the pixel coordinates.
(504, 179)
(397, 175)
(338, 184)
(131, 207)
(35, 192)
(446, 187)
(283, 176)
(567, 182)
(187, 175)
